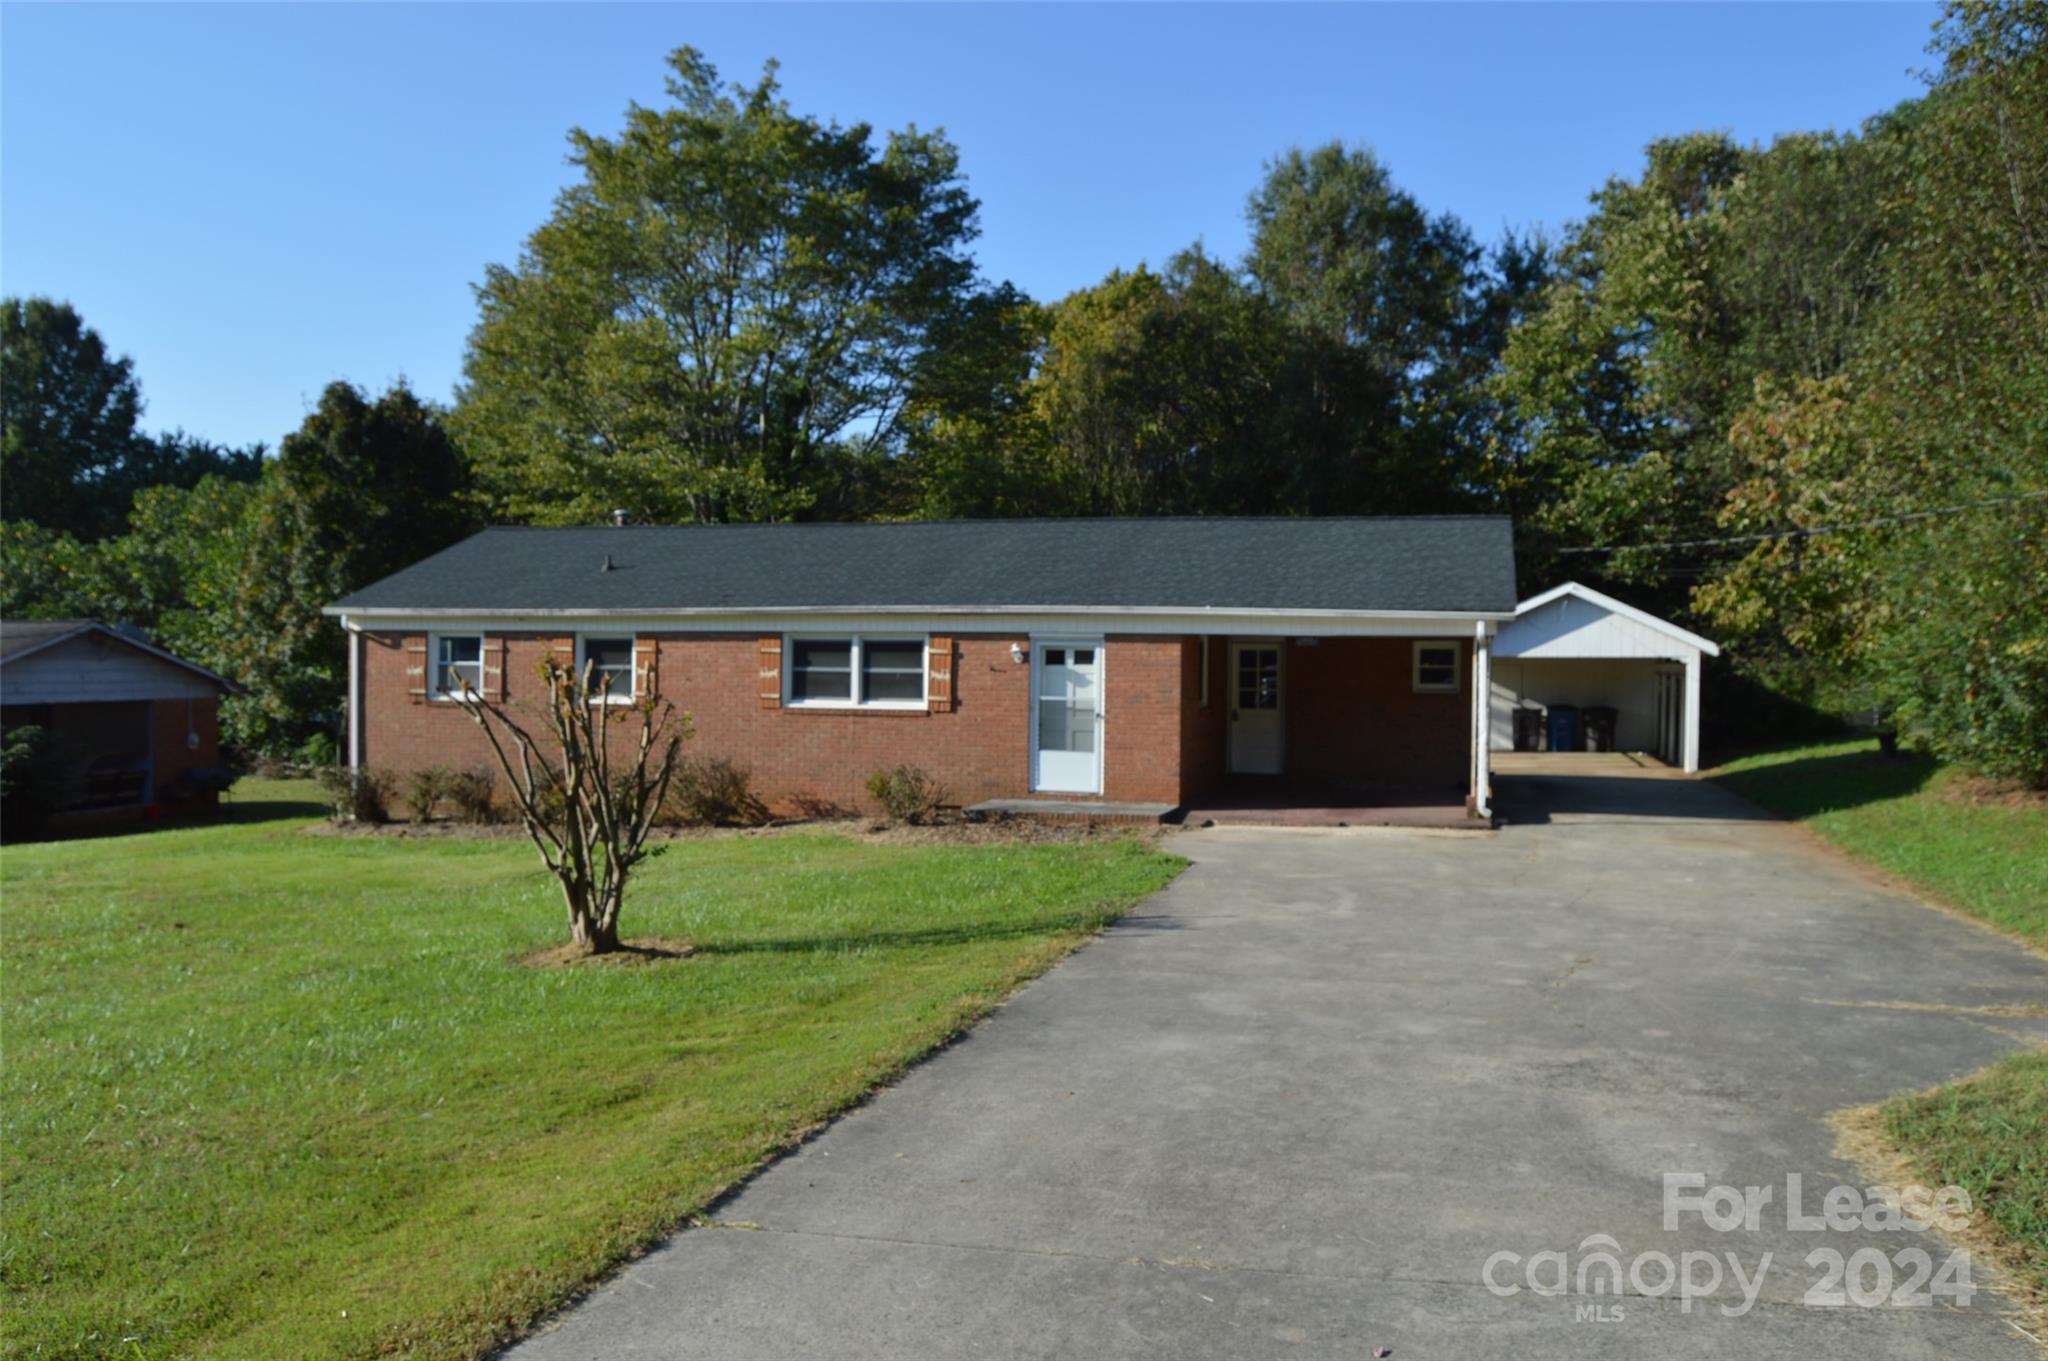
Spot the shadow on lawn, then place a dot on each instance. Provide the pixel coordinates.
(968, 934)
(99, 825)
(1822, 784)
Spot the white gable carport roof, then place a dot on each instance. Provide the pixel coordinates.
(1606, 627)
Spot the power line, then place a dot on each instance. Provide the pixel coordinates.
(1877, 523)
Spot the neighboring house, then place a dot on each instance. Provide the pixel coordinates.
(1572, 648)
(1130, 661)
(130, 727)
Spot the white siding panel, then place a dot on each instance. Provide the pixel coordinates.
(1629, 686)
(1569, 627)
(97, 669)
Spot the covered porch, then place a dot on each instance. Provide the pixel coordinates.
(1338, 730)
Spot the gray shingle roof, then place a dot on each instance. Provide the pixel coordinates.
(19, 635)
(23, 637)
(1441, 564)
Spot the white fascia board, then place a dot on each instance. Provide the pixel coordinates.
(1622, 608)
(1245, 623)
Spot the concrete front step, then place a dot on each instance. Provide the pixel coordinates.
(1070, 810)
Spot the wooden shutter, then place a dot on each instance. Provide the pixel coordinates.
(939, 684)
(646, 668)
(771, 672)
(416, 668)
(494, 669)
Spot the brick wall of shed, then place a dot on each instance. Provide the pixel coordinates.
(173, 755)
(821, 758)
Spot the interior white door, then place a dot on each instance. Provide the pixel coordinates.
(1258, 722)
(1066, 719)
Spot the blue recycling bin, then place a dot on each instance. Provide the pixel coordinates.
(1564, 727)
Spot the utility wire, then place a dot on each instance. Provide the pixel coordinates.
(1877, 523)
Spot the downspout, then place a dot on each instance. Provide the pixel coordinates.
(1482, 719)
(355, 694)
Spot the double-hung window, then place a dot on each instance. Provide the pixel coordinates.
(458, 664)
(1436, 668)
(855, 672)
(610, 664)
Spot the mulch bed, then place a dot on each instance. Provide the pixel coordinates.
(948, 831)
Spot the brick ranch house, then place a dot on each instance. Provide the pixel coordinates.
(1133, 662)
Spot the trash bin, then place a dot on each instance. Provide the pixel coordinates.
(1600, 720)
(1564, 727)
(1528, 730)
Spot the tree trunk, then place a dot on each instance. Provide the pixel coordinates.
(590, 932)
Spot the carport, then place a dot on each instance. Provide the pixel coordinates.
(1572, 652)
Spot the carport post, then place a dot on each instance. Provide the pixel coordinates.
(1482, 720)
(1692, 713)
(354, 637)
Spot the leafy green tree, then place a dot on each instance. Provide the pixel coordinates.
(179, 567)
(724, 317)
(71, 458)
(359, 490)
(1384, 300)
(1942, 401)
(971, 447)
(67, 417)
(1718, 265)
(48, 574)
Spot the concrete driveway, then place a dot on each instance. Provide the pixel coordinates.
(1292, 1106)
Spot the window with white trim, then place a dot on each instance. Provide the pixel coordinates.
(610, 662)
(1436, 669)
(458, 662)
(855, 672)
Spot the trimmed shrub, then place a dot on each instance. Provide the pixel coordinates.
(358, 795)
(473, 793)
(424, 789)
(318, 750)
(907, 794)
(713, 792)
(35, 780)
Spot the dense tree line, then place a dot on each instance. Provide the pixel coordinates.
(739, 312)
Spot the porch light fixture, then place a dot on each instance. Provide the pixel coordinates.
(1017, 653)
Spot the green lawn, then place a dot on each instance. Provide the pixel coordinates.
(269, 1093)
(1989, 1135)
(1898, 815)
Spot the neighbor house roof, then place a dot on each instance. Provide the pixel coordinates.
(1423, 565)
(21, 638)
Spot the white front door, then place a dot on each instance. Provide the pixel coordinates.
(1258, 724)
(1066, 717)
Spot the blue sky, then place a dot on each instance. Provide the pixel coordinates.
(253, 201)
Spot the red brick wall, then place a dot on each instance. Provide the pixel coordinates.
(1353, 715)
(1202, 753)
(980, 749)
(1142, 704)
(172, 757)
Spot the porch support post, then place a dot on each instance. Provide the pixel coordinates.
(355, 694)
(1482, 720)
(1692, 713)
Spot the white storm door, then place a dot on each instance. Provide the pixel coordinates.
(1258, 723)
(1066, 717)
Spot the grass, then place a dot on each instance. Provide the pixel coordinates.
(269, 1093)
(1989, 1134)
(1901, 815)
